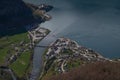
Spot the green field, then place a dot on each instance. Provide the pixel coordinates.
(7, 41)
(51, 67)
(73, 63)
(20, 66)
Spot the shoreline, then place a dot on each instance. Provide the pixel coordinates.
(34, 34)
(75, 51)
(33, 46)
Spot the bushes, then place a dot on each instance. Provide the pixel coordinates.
(92, 71)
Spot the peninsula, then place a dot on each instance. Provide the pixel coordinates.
(53, 58)
(17, 41)
(65, 54)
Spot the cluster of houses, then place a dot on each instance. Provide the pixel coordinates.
(37, 34)
(42, 11)
(64, 49)
(18, 50)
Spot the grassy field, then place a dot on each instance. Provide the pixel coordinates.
(73, 63)
(7, 41)
(23, 61)
(50, 72)
(21, 64)
(51, 67)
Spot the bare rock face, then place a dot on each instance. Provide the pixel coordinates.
(12, 11)
(15, 14)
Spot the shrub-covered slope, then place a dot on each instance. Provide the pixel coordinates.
(92, 71)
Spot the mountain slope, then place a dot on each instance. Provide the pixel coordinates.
(92, 71)
(14, 11)
(13, 15)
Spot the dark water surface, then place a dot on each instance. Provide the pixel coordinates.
(92, 23)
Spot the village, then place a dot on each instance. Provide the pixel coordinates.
(65, 52)
(19, 48)
(35, 34)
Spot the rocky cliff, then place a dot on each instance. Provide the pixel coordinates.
(14, 11)
(14, 14)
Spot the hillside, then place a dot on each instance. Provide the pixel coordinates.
(66, 54)
(14, 14)
(14, 11)
(17, 22)
(92, 71)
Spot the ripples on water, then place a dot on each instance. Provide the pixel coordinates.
(93, 23)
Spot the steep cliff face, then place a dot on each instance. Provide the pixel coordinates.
(12, 11)
(15, 14)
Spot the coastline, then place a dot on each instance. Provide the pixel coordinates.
(21, 48)
(36, 36)
(38, 52)
(55, 52)
(35, 43)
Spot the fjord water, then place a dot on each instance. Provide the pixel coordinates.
(92, 23)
